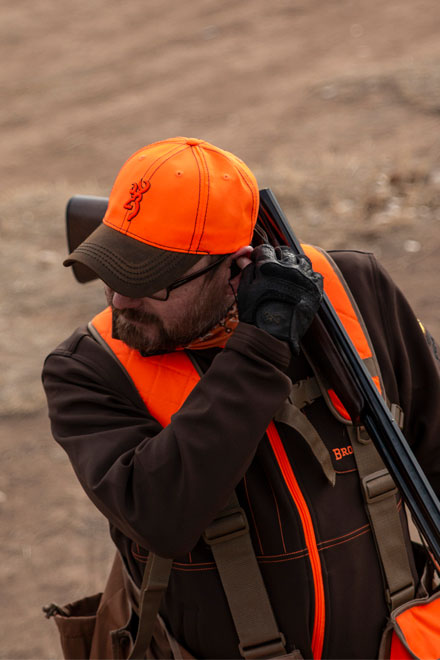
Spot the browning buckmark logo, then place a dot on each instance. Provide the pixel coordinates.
(137, 191)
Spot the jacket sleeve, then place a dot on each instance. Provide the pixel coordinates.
(162, 487)
(407, 355)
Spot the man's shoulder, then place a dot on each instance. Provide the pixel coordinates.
(79, 347)
(370, 284)
(360, 269)
(71, 344)
(80, 358)
(350, 260)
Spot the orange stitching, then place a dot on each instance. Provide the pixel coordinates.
(295, 552)
(348, 534)
(273, 559)
(280, 561)
(173, 151)
(366, 531)
(140, 558)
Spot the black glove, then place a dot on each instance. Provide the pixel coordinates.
(279, 293)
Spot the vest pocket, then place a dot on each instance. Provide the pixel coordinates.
(76, 625)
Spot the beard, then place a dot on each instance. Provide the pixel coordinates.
(146, 332)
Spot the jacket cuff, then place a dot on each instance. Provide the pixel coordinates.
(248, 339)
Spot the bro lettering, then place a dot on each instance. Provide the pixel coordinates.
(341, 452)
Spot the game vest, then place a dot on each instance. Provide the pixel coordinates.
(165, 381)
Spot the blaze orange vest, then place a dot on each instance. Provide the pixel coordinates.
(165, 381)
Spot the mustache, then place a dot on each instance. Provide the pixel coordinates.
(135, 315)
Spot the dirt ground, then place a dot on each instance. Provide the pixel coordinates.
(335, 106)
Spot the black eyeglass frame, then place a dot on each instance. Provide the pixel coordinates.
(188, 278)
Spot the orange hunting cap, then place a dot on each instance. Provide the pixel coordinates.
(173, 202)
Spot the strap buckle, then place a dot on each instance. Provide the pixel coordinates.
(400, 597)
(271, 649)
(398, 414)
(378, 485)
(231, 524)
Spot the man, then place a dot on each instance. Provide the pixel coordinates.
(163, 403)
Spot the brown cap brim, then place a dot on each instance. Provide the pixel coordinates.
(127, 266)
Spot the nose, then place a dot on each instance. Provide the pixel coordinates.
(124, 302)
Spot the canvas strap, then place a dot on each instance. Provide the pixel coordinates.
(378, 488)
(231, 545)
(379, 493)
(154, 584)
(290, 414)
(254, 620)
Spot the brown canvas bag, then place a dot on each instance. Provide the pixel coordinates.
(86, 626)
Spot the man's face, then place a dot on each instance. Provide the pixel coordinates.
(191, 310)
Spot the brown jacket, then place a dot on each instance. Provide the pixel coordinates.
(159, 488)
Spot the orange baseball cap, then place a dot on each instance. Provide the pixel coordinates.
(173, 202)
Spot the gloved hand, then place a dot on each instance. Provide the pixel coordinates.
(279, 293)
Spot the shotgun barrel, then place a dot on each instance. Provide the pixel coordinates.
(373, 412)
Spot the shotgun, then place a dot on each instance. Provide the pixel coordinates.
(332, 348)
(361, 398)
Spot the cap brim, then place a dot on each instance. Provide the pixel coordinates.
(131, 268)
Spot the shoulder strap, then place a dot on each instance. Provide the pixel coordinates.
(231, 545)
(154, 584)
(229, 539)
(379, 491)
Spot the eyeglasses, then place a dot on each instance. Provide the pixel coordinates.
(163, 294)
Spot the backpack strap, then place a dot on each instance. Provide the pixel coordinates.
(378, 488)
(254, 620)
(231, 545)
(379, 491)
(229, 539)
(154, 584)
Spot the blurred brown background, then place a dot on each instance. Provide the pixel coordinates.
(336, 107)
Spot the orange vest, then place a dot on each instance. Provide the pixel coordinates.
(165, 381)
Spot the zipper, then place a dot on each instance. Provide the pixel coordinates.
(309, 535)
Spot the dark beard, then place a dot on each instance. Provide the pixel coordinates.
(196, 322)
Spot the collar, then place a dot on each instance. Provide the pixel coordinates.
(219, 334)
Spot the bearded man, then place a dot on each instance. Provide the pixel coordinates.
(192, 386)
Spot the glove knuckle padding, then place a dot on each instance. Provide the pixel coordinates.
(263, 253)
(280, 293)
